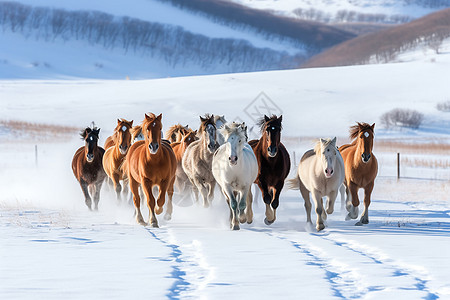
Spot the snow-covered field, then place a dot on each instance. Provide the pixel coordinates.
(52, 247)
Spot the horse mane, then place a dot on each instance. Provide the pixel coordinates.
(355, 129)
(85, 132)
(207, 120)
(234, 127)
(173, 129)
(273, 120)
(318, 145)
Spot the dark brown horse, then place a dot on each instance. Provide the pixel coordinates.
(273, 162)
(88, 168)
(361, 168)
(114, 156)
(151, 163)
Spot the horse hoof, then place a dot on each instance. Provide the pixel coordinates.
(267, 222)
(359, 223)
(249, 221)
(142, 222)
(235, 227)
(320, 227)
(154, 225)
(167, 217)
(243, 220)
(365, 222)
(158, 210)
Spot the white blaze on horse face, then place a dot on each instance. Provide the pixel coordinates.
(124, 128)
(366, 134)
(91, 138)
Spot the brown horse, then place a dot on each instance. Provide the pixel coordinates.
(361, 168)
(87, 166)
(151, 163)
(273, 162)
(115, 155)
(176, 132)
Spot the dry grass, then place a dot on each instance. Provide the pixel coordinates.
(424, 147)
(36, 132)
(425, 163)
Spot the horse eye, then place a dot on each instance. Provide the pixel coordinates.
(328, 150)
(240, 141)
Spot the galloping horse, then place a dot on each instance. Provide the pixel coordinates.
(87, 166)
(321, 171)
(115, 156)
(151, 163)
(235, 168)
(361, 168)
(176, 132)
(197, 160)
(273, 162)
(181, 179)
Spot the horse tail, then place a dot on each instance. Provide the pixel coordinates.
(294, 183)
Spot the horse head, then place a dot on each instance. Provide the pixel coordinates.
(151, 126)
(327, 151)
(122, 135)
(235, 136)
(90, 136)
(190, 137)
(271, 130)
(364, 133)
(136, 134)
(208, 131)
(219, 120)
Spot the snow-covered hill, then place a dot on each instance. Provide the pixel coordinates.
(379, 11)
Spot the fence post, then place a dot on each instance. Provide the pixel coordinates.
(398, 166)
(295, 161)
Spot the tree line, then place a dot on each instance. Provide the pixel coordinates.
(172, 44)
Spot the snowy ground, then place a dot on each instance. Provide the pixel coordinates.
(53, 247)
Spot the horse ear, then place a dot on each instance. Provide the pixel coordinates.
(118, 121)
(266, 118)
(159, 117)
(131, 123)
(280, 118)
(211, 119)
(323, 141)
(373, 126)
(334, 140)
(186, 127)
(147, 117)
(202, 119)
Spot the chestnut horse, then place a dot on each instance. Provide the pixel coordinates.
(115, 155)
(151, 163)
(273, 162)
(87, 166)
(181, 179)
(136, 134)
(176, 132)
(361, 168)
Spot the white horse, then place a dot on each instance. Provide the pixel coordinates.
(235, 168)
(321, 171)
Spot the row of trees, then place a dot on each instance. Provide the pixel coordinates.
(348, 16)
(172, 44)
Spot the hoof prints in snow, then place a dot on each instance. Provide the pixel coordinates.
(420, 284)
(180, 285)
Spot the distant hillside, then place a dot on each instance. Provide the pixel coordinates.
(314, 35)
(385, 45)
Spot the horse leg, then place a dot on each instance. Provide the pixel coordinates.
(319, 210)
(276, 199)
(367, 193)
(117, 187)
(342, 191)
(308, 206)
(331, 198)
(161, 196)
(135, 191)
(354, 199)
(98, 187)
(204, 191)
(170, 191)
(212, 186)
(249, 203)
(147, 186)
(267, 198)
(242, 203)
(87, 197)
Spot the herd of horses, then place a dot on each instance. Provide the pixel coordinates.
(139, 159)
